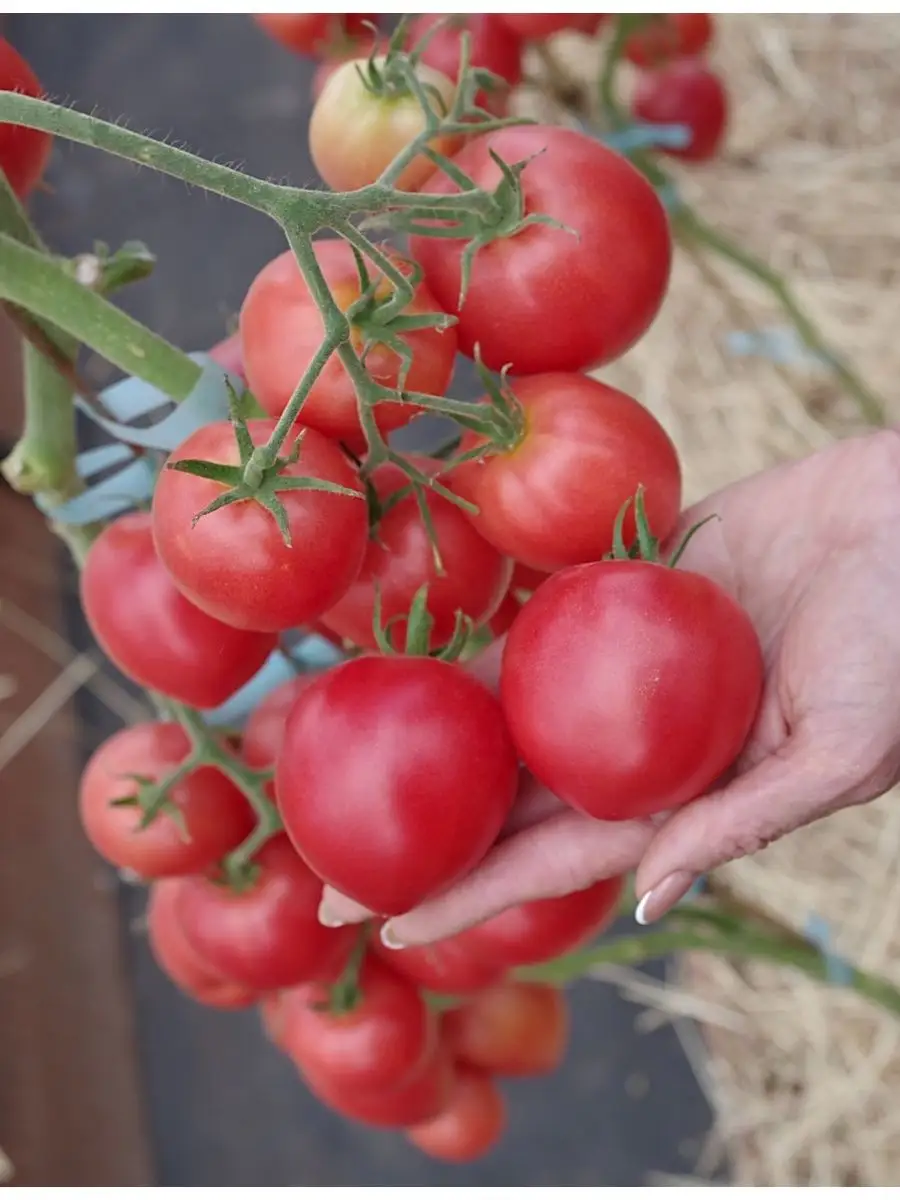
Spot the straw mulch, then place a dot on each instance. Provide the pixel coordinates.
(803, 1078)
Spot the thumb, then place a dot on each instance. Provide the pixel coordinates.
(791, 787)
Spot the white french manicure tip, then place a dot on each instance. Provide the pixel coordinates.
(640, 913)
(328, 919)
(390, 939)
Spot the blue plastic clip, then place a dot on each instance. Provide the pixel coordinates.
(837, 969)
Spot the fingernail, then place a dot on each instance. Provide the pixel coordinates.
(328, 917)
(389, 938)
(657, 902)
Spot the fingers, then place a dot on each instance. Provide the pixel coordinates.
(564, 853)
(336, 909)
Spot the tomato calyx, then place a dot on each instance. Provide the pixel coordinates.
(646, 547)
(346, 992)
(419, 624)
(152, 797)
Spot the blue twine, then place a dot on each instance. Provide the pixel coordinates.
(778, 343)
(639, 137)
(838, 970)
(311, 654)
(670, 197)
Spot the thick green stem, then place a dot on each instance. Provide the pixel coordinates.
(14, 219)
(44, 457)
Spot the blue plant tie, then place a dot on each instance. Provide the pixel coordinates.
(642, 137)
(670, 197)
(779, 344)
(312, 653)
(838, 970)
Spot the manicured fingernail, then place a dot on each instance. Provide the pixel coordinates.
(328, 917)
(390, 938)
(657, 902)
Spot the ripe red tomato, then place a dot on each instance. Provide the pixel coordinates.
(527, 579)
(175, 956)
(227, 354)
(395, 776)
(472, 1122)
(355, 135)
(552, 500)
(268, 935)
(151, 632)
(383, 1042)
(448, 967)
(204, 818)
(420, 1099)
(534, 27)
(315, 34)
(547, 299)
(668, 36)
(543, 929)
(400, 559)
(24, 152)
(492, 47)
(630, 687)
(282, 330)
(264, 730)
(685, 92)
(503, 618)
(511, 1029)
(234, 563)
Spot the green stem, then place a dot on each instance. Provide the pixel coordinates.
(44, 287)
(43, 460)
(14, 219)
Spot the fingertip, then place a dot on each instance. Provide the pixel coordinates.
(336, 909)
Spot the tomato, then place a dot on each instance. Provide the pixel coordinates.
(268, 935)
(394, 778)
(400, 559)
(383, 1042)
(282, 330)
(418, 1100)
(511, 1029)
(205, 815)
(151, 632)
(503, 618)
(234, 563)
(264, 729)
(547, 299)
(668, 36)
(355, 135)
(685, 93)
(315, 33)
(527, 579)
(630, 687)
(24, 152)
(492, 47)
(448, 967)
(472, 1122)
(175, 956)
(227, 354)
(534, 27)
(551, 499)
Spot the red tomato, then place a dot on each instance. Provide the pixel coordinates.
(234, 563)
(552, 499)
(394, 778)
(447, 967)
(630, 687)
(178, 960)
(492, 47)
(268, 935)
(668, 36)
(472, 1122)
(355, 134)
(527, 579)
(383, 1042)
(210, 815)
(315, 33)
(264, 730)
(547, 299)
(227, 354)
(534, 27)
(400, 559)
(685, 93)
(24, 152)
(511, 1029)
(543, 929)
(282, 330)
(421, 1099)
(151, 632)
(503, 618)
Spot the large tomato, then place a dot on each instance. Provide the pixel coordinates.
(282, 329)
(667, 36)
(383, 1042)
(629, 687)
(472, 1122)
(203, 818)
(534, 27)
(355, 135)
(447, 967)
(511, 1029)
(315, 34)
(263, 732)
(23, 152)
(234, 563)
(268, 935)
(547, 299)
(400, 559)
(685, 92)
(551, 499)
(420, 1099)
(178, 959)
(492, 47)
(151, 632)
(395, 776)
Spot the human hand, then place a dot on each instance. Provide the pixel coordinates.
(812, 551)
